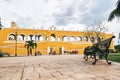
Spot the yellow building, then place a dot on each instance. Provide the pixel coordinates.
(47, 40)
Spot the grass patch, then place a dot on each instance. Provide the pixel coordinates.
(114, 57)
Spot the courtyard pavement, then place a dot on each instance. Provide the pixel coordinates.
(57, 67)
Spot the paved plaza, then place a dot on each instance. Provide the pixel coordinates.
(57, 67)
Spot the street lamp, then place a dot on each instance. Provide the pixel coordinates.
(35, 41)
(16, 42)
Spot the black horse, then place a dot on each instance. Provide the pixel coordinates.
(101, 49)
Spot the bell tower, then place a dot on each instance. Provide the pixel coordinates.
(14, 25)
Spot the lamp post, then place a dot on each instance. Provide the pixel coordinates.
(35, 41)
(16, 42)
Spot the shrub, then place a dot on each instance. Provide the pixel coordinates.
(1, 55)
(117, 47)
(4, 54)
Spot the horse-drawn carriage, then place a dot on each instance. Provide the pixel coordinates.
(100, 49)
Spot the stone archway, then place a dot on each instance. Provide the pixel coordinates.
(53, 37)
(79, 38)
(72, 38)
(65, 39)
(11, 36)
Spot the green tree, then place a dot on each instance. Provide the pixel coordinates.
(95, 30)
(29, 45)
(0, 24)
(115, 12)
(117, 47)
(119, 39)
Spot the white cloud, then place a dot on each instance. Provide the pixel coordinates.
(75, 27)
(114, 27)
(52, 12)
(67, 14)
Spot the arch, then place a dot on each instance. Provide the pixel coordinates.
(92, 39)
(31, 37)
(99, 39)
(86, 38)
(22, 37)
(79, 38)
(64, 38)
(40, 38)
(72, 38)
(53, 37)
(11, 36)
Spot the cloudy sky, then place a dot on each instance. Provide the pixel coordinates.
(67, 14)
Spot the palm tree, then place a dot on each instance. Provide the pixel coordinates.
(30, 45)
(0, 24)
(115, 12)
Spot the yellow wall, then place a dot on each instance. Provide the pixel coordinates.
(9, 45)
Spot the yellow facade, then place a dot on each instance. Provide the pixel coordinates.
(47, 40)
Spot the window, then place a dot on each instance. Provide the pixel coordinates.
(53, 37)
(72, 38)
(11, 37)
(79, 38)
(64, 38)
(86, 38)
